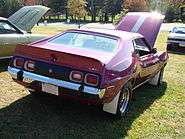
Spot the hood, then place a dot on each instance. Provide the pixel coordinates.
(27, 17)
(147, 24)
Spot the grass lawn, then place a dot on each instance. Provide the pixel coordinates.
(50, 30)
(155, 112)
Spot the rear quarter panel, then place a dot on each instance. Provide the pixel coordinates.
(120, 70)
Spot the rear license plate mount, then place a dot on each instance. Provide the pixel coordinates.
(49, 88)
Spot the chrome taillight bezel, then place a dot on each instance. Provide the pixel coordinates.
(15, 60)
(26, 67)
(89, 74)
(73, 79)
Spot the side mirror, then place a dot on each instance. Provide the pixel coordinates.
(154, 50)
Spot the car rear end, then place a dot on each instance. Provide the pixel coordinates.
(59, 70)
(52, 76)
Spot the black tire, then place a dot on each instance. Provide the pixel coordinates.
(124, 100)
(160, 80)
(35, 93)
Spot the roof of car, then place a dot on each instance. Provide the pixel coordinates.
(118, 33)
(2, 18)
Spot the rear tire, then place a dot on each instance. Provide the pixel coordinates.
(124, 100)
(35, 93)
(160, 81)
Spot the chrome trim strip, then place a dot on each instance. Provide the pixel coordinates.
(65, 84)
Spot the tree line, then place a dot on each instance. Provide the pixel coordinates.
(103, 9)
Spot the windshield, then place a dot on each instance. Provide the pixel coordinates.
(180, 30)
(86, 41)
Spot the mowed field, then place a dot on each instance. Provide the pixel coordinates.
(155, 112)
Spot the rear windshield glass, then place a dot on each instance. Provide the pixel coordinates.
(180, 30)
(87, 41)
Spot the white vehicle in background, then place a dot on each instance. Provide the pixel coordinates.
(176, 39)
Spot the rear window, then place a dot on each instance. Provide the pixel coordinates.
(87, 41)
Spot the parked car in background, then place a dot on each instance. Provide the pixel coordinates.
(99, 66)
(17, 29)
(176, 40)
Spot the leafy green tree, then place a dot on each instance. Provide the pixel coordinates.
(119, 16)
(77, 8)
(136, 5)
(170, 8)
(8, 7)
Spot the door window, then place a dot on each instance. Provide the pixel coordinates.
(141, 47)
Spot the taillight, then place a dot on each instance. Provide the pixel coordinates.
(29, 65)
(18, 62)
(76, 76)
(91, 79)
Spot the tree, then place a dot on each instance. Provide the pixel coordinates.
(136, 5)
(8, 7)
(173, 11)
(77, 8)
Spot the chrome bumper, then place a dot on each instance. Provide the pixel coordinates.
(29, 77)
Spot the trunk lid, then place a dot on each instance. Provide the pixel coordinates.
(147, 24)
(61, 58)
(28, 16)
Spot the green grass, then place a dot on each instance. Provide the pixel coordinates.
(50, 30)
(156, 112)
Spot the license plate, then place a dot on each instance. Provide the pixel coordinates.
(49, 88)
(182, 45)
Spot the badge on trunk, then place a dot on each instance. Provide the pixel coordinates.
(50, 71)
(53, 58)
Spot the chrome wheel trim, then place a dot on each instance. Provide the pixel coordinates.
(124, 101)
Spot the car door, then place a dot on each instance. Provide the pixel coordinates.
(149, 61)
(9, 38)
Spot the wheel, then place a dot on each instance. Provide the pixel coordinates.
(124, 100)
(160, 81)
(157, 79)
(119, 105)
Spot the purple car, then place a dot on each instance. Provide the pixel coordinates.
(98, 66)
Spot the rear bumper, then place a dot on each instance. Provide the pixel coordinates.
(26, 78)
